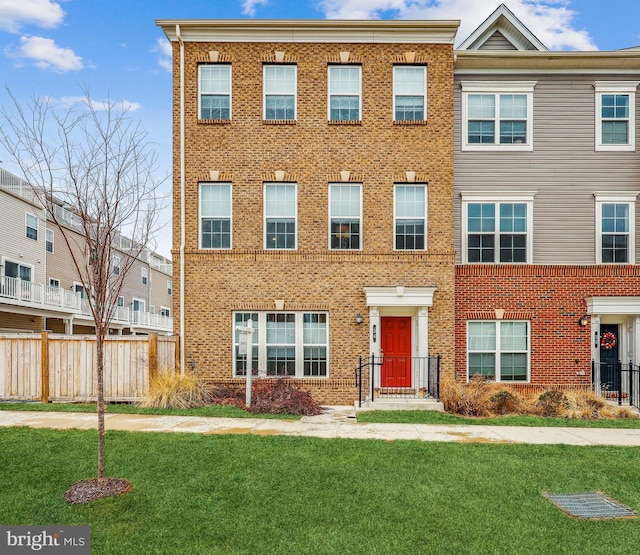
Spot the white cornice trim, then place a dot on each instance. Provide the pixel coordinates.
(399, 295)
(312, 30)
(613, 305)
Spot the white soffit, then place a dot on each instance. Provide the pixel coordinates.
(399, 295)
(613, 305)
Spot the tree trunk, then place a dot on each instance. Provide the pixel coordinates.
(100, 378)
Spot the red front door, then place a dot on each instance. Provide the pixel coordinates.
(396, 350)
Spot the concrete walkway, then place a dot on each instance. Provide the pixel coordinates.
(337, 422)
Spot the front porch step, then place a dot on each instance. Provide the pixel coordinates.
(403, 404)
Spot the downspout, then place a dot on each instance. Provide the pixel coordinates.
(182, 201)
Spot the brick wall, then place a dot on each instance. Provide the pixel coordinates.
(552, 298)
(312, 153)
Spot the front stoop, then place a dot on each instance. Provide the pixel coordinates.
(403, 404)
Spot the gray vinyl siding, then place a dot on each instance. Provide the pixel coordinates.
(563, 169)
(497, 41)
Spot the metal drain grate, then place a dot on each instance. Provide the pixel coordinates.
(590, 505)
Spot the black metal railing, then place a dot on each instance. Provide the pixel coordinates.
(398, 377)
(617, 381)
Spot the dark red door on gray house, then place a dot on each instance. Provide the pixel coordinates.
(396, 350)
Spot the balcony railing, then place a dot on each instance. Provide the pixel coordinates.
(128, 317)
(26, 293)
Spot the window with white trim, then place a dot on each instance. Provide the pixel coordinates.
(214, 97)
(144, 276)
(55, 283)
(169, 287)
(498, 350)
(615, 115)
(615, 225)
(409, 93)
(165, 311)
(116, 265)
(496, 229)
(279, 92)
(120, 301)
(215, 215)
(49, 238)
(280, 214)
(284, 343)
(345, 93)
(345, 216)
(31, 226)
(152, 309)
(497, 115)
(410, 217)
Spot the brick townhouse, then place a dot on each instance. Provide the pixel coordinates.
(313, 194)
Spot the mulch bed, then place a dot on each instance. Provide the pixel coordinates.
(96, 488)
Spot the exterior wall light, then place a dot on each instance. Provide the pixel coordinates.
(584, 320)
(358, 318)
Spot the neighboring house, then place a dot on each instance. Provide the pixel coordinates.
(313, 190)
(40, 288)
(547, 178)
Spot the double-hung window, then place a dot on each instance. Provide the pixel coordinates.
(497, 116)
(280, 212)
(409, 93)
(31, 226)
(49, 237)
(116, 265)
(615, 225)
(497, 229)
(615, 115)
(410, 217)
(215, 215)
(279, 92)
(214, 91)
(345, 216)
(345, 93)
(498, 350)
(284, 344)
(144, 276)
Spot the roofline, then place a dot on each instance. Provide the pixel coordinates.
(489, 60)
(311, 30)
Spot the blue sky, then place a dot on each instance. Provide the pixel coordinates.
(56, 48)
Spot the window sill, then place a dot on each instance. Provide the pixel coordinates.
(345, 122)
(214, 121)
(409, 122)
(279, 122)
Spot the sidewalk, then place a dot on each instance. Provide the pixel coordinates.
(337, 422)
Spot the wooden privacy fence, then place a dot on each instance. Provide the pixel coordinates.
(54, 367)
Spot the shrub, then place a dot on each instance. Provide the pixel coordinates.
(270, 396)
(552, 402)
(467, 399)
(172, 390)
(505, 402)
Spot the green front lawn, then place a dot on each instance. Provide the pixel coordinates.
(225, 411)
(245, 494)
(436, 417)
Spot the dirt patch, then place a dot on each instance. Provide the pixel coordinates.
(96, 488)
(466, 437)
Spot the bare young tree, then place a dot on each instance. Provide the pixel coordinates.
(98, 163)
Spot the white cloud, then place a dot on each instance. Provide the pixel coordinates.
(43, 13)
(46, 54)
(163, 47)
(68, 102)
(550, 20)
(249, 6)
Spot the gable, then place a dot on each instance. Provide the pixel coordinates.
(497, 41)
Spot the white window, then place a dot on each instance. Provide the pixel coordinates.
(116, 265)
(17, 270)
(152, 309)
(615, 115)
(144, 276)
(280, 212)
(279, 92)
(31, 227)
(79, 288)
(49, 237)
(165, 311)
(498, 350)
(120, 301)
(138, 305)
(345, 217)
(284, 343)
(54, 283)
(497, 115)
(615, 225)
(345, 93)
(215, 91)
(215, 215)
(409, 93)
(169, 287)
(410, 217)
(496, 229)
